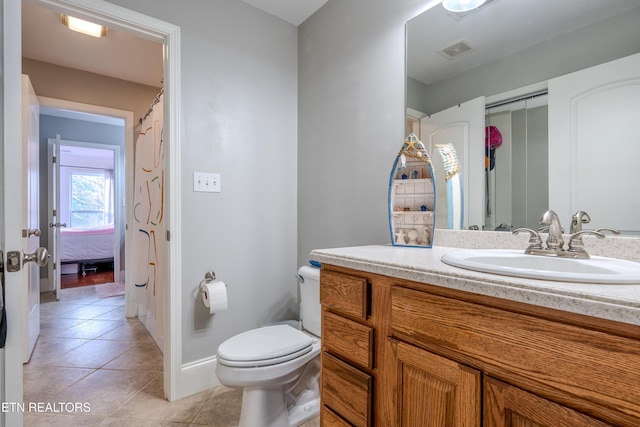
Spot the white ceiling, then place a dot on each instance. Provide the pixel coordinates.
(293, 11)
(120, 55)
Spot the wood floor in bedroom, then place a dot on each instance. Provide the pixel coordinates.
(92, 278)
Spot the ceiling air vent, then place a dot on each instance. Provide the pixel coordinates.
(458, 48)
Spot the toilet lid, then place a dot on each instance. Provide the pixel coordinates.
(264, 346)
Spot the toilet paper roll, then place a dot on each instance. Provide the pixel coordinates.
(214, 296)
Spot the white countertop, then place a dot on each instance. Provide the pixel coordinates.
(614, 302)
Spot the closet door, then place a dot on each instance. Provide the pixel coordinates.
(593, 144)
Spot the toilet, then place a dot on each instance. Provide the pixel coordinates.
(278, 366)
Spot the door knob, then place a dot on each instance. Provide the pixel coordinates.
(40, 257)
(57, 224)
(31, 232)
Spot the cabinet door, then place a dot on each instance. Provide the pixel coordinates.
(435, 392)
(509, 406)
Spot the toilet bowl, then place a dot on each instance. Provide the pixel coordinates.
(277, 366)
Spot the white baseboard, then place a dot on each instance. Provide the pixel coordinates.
(197, 376)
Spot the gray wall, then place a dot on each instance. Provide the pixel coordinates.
(58, 82)
(238, 118)
(351, 120)
(73, 130)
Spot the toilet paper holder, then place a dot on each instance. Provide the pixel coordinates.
(210, 276)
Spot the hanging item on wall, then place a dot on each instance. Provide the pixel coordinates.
(492, 140)
(412, 196)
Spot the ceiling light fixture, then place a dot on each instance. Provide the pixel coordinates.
(458, 6)
(84, 27)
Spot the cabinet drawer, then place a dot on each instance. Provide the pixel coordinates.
(346, 390)
(344, 293)
(331, 419)
(348, 339)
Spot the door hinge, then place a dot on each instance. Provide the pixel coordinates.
(55, 266)
(54, 159)
(168, 235)
(55, 213)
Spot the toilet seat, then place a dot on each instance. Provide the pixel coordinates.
(265, 346)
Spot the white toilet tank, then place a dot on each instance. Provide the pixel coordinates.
(309, 283)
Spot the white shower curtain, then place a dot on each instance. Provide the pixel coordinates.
(148, 215)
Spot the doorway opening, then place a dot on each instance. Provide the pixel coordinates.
(168, 36)
(89, 238)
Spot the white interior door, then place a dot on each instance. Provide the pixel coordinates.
(462, 126)
(593, 144)
(11, 384)
(54, 212)
(30, 215)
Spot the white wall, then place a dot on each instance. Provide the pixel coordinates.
(351, 119)
(238, 118)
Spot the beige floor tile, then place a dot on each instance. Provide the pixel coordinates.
(313, 423)
(121, 422)
(60, 420)
(94, 354)
(54, 326)
(90, 329)
(55, 309)
(82, 295)
(116, 314)
(130, 330)
(87, 311)
(48, 348)
(117, 300)
(222, 409)
(107, 390)
(42, 383)
(150, 404)
(145, 356)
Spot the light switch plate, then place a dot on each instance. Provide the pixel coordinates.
(206, 182)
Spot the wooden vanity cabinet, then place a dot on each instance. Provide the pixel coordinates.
(413, 354)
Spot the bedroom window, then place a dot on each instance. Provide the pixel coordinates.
(91, 201)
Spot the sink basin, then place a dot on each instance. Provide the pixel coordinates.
(516, 263)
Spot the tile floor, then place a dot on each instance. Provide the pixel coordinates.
(90, 355)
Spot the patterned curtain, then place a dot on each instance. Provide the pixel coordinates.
(148, 215)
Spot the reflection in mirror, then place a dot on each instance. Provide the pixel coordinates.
(448, 178)
(516, 162)
(506, 46)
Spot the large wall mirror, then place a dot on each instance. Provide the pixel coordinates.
(559, 83)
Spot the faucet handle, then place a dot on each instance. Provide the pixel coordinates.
(577, 219)
(610, 230)
(535, 241)
(577, 245)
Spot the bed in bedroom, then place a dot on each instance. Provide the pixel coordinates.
(86, 247)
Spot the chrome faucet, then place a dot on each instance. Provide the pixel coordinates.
(555, 242)
(579, 218)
